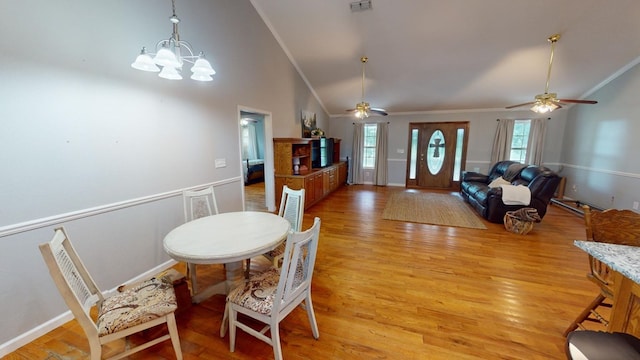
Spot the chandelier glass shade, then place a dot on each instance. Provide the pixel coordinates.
(171, 54)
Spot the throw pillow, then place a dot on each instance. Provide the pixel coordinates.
(498, 181)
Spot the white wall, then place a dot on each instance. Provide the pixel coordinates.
(601, 147)
(89, 143)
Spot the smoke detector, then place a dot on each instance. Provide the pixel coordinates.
(360, 5)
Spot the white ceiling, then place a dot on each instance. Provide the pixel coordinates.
(434, 55)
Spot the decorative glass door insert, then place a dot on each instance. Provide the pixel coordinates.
(437, 152)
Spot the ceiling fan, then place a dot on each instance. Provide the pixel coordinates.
(363, 109)
(548, 102)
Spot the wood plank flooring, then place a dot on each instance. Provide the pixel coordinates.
(254, 199)
(386, 289)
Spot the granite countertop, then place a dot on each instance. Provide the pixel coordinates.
(621, 258)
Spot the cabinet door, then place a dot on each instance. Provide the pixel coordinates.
(282, 155)
(309, 192)
(318, 185)
(333, 179)
(326, 184)
(342, 174)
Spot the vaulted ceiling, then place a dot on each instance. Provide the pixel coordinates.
(434, 55)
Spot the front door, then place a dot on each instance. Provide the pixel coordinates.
(437, 154)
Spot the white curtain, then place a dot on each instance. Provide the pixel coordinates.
(355, 175)
(380, 172)
(502, 141)
(249, 142)
(535, 144)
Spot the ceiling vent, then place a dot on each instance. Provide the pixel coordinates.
(360, 5)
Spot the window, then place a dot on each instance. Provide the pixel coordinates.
(519, 140)
(369, 153)
(249, 141)
(414, 153)
(457, 164)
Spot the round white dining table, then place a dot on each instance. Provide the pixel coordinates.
(226, 238)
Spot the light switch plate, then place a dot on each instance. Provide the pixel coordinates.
(221, 163)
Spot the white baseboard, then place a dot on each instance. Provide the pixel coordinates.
(395, 184)
(18, 342)
(31, 335)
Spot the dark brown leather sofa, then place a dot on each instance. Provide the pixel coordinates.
(541, 181)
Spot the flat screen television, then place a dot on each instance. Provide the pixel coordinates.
(322, 152)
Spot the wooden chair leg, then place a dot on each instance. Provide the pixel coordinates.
(585, 314)
(191, 275)
(247, 270)
(173, 332)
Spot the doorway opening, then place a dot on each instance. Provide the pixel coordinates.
(256, 151)
(437, 154)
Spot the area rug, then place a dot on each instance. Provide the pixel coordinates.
(431, 208)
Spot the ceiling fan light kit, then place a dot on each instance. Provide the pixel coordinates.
(544, 103)
(547, 102)
(363, 109)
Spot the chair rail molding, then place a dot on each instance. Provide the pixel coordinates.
(85, 213)
(603, 171)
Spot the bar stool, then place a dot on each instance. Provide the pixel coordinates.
(600, 345)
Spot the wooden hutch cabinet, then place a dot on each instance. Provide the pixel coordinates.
(317, 182)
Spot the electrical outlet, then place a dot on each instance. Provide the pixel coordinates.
(574, 188)
(635, 205)
(476, 169)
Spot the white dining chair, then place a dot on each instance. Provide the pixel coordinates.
(292, 209)
(270, 296)
(146, 305)
(199, 203)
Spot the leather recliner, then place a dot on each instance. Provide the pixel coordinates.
(541, 181)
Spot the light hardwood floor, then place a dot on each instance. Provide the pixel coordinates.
(392, 290)
(254, 199)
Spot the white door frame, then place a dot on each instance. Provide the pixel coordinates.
(269, 174)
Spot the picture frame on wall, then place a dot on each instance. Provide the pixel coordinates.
(308, 120)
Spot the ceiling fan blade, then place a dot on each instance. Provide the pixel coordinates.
(578, 101)
(519, 105)
(379, 111)
(372, 111)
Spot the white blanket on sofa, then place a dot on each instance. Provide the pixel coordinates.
(515, 195)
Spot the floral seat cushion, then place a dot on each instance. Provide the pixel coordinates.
(278, 251)
(144, 302)
(258, 292)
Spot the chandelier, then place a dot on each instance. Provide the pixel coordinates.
(169, 55)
